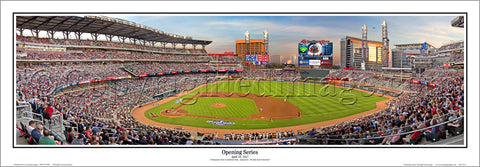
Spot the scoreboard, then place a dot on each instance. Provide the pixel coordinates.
(315, 52)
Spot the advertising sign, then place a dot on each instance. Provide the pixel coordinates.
(221, 123)
(326, 62)
(250, 58)
(259, 57)
(314, 62)
(303, 62)
(256, 59)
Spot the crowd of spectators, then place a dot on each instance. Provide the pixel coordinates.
(41, 79)
(451, 47)
(383, 79)
(454, 50)
(457, 57)
(154, 67)
(108, 110)
(99, 54)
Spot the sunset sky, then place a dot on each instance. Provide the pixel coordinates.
(286, 31)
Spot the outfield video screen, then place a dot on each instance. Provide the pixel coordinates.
(256, 59)
(315, 48)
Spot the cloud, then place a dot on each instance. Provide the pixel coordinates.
(286, 32)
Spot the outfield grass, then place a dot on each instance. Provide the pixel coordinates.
(236, 107)
(316, 102)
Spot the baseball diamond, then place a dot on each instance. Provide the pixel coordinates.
(313, 105)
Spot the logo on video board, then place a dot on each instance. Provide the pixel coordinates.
(314, 49)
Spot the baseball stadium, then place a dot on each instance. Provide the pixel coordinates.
(98, 80)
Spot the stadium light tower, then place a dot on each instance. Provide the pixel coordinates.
(265, 38)
(364, 46)
(385, 44)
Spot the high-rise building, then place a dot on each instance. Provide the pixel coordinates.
(386, 45)
(251, 46)
(351, 53)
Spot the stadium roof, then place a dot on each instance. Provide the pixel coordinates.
(458, 22)
(415, 45)
(360, 39)
(102, 25)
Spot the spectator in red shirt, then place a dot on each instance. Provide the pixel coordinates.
(49, 110)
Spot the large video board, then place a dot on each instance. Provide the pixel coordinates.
(315, 48)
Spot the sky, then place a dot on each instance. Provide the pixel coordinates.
(285, 32)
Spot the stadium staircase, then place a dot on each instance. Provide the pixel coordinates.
(25, 114)
(452, 140)
(348, 75)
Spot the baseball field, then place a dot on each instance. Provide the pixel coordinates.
(260, 105)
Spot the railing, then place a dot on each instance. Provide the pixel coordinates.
(349, 140)
(55, 122)
(24, 113)
(75, 127)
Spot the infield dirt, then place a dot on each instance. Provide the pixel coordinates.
(268, 107)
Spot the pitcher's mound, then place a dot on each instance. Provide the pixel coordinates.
(218, 105)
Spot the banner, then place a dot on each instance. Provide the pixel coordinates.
(424, 83)
(314, 62)
(142, 75)
(303, 62)
(326, 62)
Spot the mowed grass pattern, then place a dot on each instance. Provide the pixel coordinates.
(317, 103)
(236, 107)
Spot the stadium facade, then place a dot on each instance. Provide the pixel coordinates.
(411, 55)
